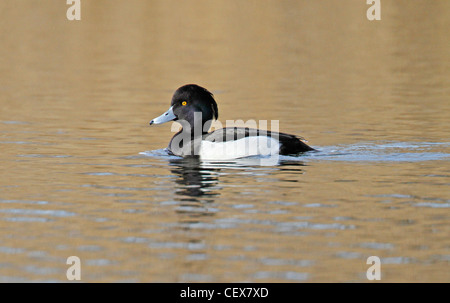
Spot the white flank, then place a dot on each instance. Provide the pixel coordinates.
(245, 147)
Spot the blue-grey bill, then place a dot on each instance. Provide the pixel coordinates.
(166, 117)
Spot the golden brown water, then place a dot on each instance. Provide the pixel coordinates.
(83, 174)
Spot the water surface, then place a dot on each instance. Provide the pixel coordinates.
(83, 174)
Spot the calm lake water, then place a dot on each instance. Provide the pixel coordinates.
(83, 174)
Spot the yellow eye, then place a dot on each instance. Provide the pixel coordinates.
(183, 103)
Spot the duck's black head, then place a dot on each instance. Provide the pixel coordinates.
(191, 103)
(193, 98)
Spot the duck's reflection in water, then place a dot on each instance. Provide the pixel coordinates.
(198, 181)
(195, 180)
(197, 187)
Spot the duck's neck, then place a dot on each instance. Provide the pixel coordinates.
(187, 141)
(197, 131)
